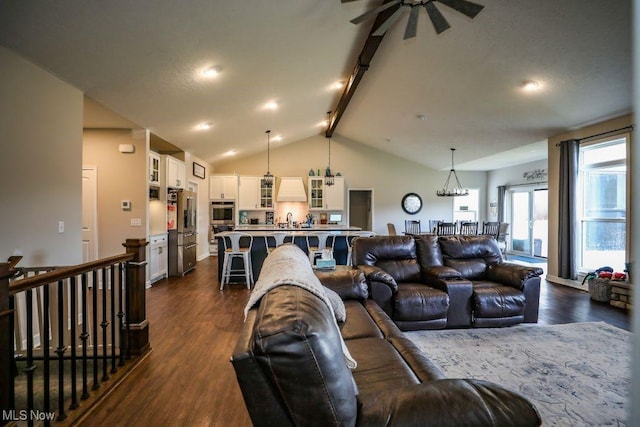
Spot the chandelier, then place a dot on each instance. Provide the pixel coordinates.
(267, 179)
(454, 190)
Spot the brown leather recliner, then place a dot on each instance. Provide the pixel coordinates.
(482, 289)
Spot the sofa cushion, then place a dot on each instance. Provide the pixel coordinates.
(348, 283)
(470, 255)
(394, 254)
(416, 301)
(359, 323)
(380, 366)
(296, 342)
(492, 300)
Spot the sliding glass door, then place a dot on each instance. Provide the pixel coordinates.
(529, 222)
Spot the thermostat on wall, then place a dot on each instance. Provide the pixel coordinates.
(127, 148)
(125, 205)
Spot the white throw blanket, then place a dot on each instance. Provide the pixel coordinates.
(289, 265)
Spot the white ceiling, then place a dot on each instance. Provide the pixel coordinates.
(143, 60)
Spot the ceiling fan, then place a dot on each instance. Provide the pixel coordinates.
(440, 24)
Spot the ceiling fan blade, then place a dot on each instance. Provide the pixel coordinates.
(412, 23)
(375, 11)
(388, 23)
(465, 7)
(347, 1)
(438, 21)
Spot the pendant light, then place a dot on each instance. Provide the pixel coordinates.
(267, 179)
(328, 175)
(455, 190)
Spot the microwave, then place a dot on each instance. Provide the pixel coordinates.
(223, 212)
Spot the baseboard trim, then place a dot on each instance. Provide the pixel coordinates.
(567, 282)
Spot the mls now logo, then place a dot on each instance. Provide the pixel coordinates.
(24, 415)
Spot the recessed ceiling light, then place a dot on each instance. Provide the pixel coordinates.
(338, 85)
(230, 153)
(204, 126)
(212, 71)
(530, 85)
(323, 124)
(277, 138)
(271, 105)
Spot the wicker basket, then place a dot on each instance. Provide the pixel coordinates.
(599, 289)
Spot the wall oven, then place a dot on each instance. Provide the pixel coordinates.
(223, 213)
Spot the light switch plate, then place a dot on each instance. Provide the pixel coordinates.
(136, 222)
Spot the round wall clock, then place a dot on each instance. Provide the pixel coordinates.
(411, 203)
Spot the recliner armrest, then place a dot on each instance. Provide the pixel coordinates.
(441, 272)
(510, 274)
(376, 274)
(448, 402)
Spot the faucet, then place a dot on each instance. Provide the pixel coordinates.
(289, 219)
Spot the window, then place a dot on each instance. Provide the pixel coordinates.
(603, 204)
(465, 208)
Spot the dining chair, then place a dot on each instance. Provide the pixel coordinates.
(318, 243)
(446, 229)
(237, 245)
(501, 238)
(279, 238)
(491, 228)
(412, 226)
(433, 225)
(391, 229)
(468, 228)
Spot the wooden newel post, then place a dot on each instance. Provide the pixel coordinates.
(137, 325)
(7, 397)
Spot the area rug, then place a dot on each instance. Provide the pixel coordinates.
(576, 374)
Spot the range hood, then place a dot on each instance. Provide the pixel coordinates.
(291, 190)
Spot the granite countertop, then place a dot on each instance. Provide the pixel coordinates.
(258, 230)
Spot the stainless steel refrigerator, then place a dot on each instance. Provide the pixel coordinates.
(183, 238)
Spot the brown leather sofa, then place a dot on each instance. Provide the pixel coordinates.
(431, 282)
(289, 365)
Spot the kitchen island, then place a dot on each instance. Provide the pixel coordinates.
(261, 233)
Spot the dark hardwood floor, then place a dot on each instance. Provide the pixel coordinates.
(187, 379)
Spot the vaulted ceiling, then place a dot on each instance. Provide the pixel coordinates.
(462, 88)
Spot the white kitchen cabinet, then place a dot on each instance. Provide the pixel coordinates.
(175, 173)
(254, 194)
(154, 168)
(248, 193)
(158, 260)
(223, 187)
(326, 197)
(334, 195)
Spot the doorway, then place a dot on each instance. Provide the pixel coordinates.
(529, 222)
(89, 214)
(360, 208)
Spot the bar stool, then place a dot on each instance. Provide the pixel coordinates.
(280, 237)
(321, 246)
(234, 249)
(352, 237)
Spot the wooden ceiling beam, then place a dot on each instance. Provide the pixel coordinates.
(364, 60)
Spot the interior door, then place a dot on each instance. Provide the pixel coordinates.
(360, 213)
(529, 222)
(89, 214)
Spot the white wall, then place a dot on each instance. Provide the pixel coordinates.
(508, 176)
(40, 164)
(121, 176)
(389, 176)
